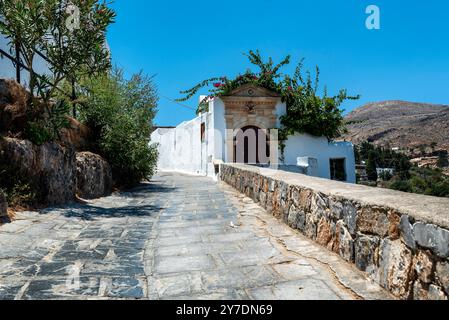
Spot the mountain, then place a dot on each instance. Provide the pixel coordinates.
(400, 124)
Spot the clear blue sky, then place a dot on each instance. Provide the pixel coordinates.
(184, 42)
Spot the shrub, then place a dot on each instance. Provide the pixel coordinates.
(401, 185)
(38, 133)
(441, 189)
(120, 113)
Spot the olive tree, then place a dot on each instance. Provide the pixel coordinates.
(69, 35)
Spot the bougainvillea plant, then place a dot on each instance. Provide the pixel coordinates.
(307, 110)
(267, 77)
(310, 112)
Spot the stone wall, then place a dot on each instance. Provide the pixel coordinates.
(57, 173)
(93, 176)
(400, 240)
(50, 168)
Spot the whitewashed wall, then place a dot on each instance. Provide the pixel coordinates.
(181, 149)
(305, 145)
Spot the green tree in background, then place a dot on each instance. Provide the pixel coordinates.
(407, 178)
(442, 160)
(121, 112)
(371, 167)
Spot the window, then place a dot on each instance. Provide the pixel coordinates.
(203, 132)
(338, 169)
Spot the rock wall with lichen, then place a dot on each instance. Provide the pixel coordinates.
(405, 255)
(51, 173)
(93, 176)
(49, 168)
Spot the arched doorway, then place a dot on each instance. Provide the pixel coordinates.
(251, 146)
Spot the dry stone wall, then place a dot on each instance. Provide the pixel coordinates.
(400, 240)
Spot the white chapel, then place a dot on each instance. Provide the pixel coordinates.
(242, 128)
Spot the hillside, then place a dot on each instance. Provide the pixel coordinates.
(400, 124)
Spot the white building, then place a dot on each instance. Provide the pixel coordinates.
(241, 127)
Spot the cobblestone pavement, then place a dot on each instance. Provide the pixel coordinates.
(179, 237)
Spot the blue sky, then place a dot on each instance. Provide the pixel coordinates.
(184, 42)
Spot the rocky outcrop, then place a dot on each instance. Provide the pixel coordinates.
(50, 168)
(15, 113)
(93, 176)
(13, 106)
(52, 171)
(400, 240)
(76, 135)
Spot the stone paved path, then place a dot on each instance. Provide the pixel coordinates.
(179, 237)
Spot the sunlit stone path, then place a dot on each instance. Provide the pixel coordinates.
(179, 237)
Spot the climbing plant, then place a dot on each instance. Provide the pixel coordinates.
(310, 112)
(267, 77)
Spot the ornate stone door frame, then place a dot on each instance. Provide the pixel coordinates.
(251, 106)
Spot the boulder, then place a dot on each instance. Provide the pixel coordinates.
(394, 219)
(336, 208)
(428, 292)
(324, 232)
(49, 168)
(406, 231)
(419, 292)
(350, 217)
(93, 176)
(436, 293)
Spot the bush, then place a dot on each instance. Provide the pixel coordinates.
(401, 185)
(441, 189)
(120, 113)
(422, 181)
(38, 133)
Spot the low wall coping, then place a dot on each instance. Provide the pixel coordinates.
(428, 209)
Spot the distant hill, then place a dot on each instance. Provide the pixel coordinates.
(400, 124)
